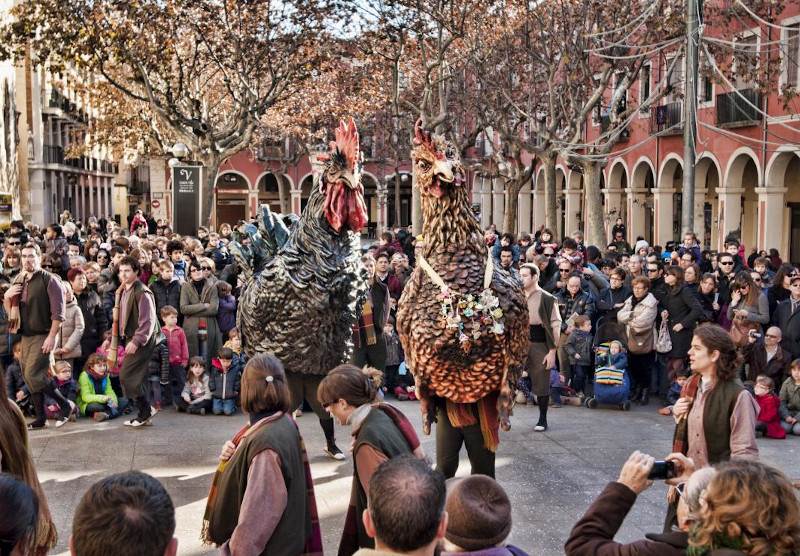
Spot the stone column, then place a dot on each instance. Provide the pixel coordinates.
(771, 209)
(383, 212)
(90, 184)
(538, 210)
(730, 212)
(572, 218)
(699, 214)
(486, 201)
(297, 196)
(524, 224)
(613, 209)
(663, 212)
(637, 206)
(498, 204)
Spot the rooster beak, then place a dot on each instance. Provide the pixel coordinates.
(443, 171)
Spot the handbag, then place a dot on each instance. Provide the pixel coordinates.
(664, 342)
(640, 342)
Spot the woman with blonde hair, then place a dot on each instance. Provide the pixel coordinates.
(380, 433)
(748, 507)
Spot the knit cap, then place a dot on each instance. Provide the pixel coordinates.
(478, 512)
(641, 244)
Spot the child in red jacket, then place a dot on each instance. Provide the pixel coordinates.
(769, 419)
(178, 354)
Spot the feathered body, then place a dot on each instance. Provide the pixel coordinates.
(302, 282)
(444, 364)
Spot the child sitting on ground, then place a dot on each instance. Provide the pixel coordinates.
(96, 397)
(196, 395)
(769, 419)
(16, 388)
(790, 401)
(579, 350)
(113, 372)
(65, 384)
(226, 374)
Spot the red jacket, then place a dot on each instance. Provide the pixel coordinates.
(178, 348)
(770, 415)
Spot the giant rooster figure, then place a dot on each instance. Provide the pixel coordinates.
(462, 320)
(302, 282)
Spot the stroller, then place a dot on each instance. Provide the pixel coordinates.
(611, 386)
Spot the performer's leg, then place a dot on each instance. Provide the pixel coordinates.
(40, 418)
(480, 458)
(448, 444)
(544, 401)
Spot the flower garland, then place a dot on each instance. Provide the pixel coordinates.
(473, 316)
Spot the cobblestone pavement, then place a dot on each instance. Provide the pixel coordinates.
(551, 477)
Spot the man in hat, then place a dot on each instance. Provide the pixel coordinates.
(135, 327)
(478, 518)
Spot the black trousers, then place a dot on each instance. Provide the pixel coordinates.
(449, 440)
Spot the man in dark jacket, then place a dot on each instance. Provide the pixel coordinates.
(167, 289)
(787, 318)
(548, 272)
(767, 357)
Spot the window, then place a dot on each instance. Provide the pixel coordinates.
(705, 86)
(675, 79)
(745, 61)
(791, 54)
(644, 84)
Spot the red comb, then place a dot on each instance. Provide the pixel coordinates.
(422, 137)
(347, 142)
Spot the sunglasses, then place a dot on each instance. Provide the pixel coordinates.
(757, 280)
(772, 336)
(13, 242)
(206, 268)
(728, 263)
(564, 269)
(652, 270)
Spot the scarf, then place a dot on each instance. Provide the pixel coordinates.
(720, 541)
(14, 321)
(367, 324)
(680, 440)
(313, 545)
(461, 415)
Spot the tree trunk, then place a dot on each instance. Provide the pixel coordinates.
(595, 218)
(210, 167)
(512, 189)
(550, 206)
(398, 212)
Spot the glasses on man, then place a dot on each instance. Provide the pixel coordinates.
(652, 270)
(773, 336)
(726, 263)
(564, 270)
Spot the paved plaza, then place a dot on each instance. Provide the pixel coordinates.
(551, 477)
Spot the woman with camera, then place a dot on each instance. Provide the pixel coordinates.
(748, 310)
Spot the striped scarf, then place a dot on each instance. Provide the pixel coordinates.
(462, 415)
(680, 440)
(367, 324)
(313, 545)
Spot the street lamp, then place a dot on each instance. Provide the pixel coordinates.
(180, 150)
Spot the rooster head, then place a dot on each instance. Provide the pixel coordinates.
(340, 182)
(437, 164)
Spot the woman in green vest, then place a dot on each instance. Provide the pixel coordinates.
(715, 415)
(262, 495)
(380, 432)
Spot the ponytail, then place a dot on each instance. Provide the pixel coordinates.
(351, 384)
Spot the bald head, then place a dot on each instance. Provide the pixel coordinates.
(774, 333)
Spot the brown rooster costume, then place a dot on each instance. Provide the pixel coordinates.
(302, 282)
(462, 320)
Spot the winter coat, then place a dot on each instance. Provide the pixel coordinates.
(581, 304)
(789, 323)
(227, 314)
(755, 313)
(197, 309)
(159, 362)
(775, 294)
(225, 385)
(579, 347)
(549, 276)
(683, 308)
(87, 393)
(594, 533)
(618, 360)
(59, 248)
(14, 380)
(755, 357)
(770, 415)
(71, 331)
(394, 350)
(221, 257)
(167, 294)
(515, 252)
(68, 389)
(94, 321)
(640, 318)
(790, 399)
(178, 346)
(6, 338)
(707, 303)
(198, 390)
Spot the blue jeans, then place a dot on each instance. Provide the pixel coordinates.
(220, 406)
(555, 394)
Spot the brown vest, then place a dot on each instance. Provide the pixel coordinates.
(35, 312)
(132, 323)
(545, 314)
(294, 528)
(717, 410)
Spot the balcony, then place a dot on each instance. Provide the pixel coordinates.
(667, 119)
(53, 154)
(734, 111)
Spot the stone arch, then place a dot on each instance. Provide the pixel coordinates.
(263, 174)
(561, 202)
(782, 195)
(743, 176)
(641, 201)
(775, 171)
(669, 199)
(243, 180)
(667, 172)
(231, 196)
(707, 179)
(616, 197)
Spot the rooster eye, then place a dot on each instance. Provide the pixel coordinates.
(450, 152)
(424, 165)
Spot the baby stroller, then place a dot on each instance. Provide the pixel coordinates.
(611, 386)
